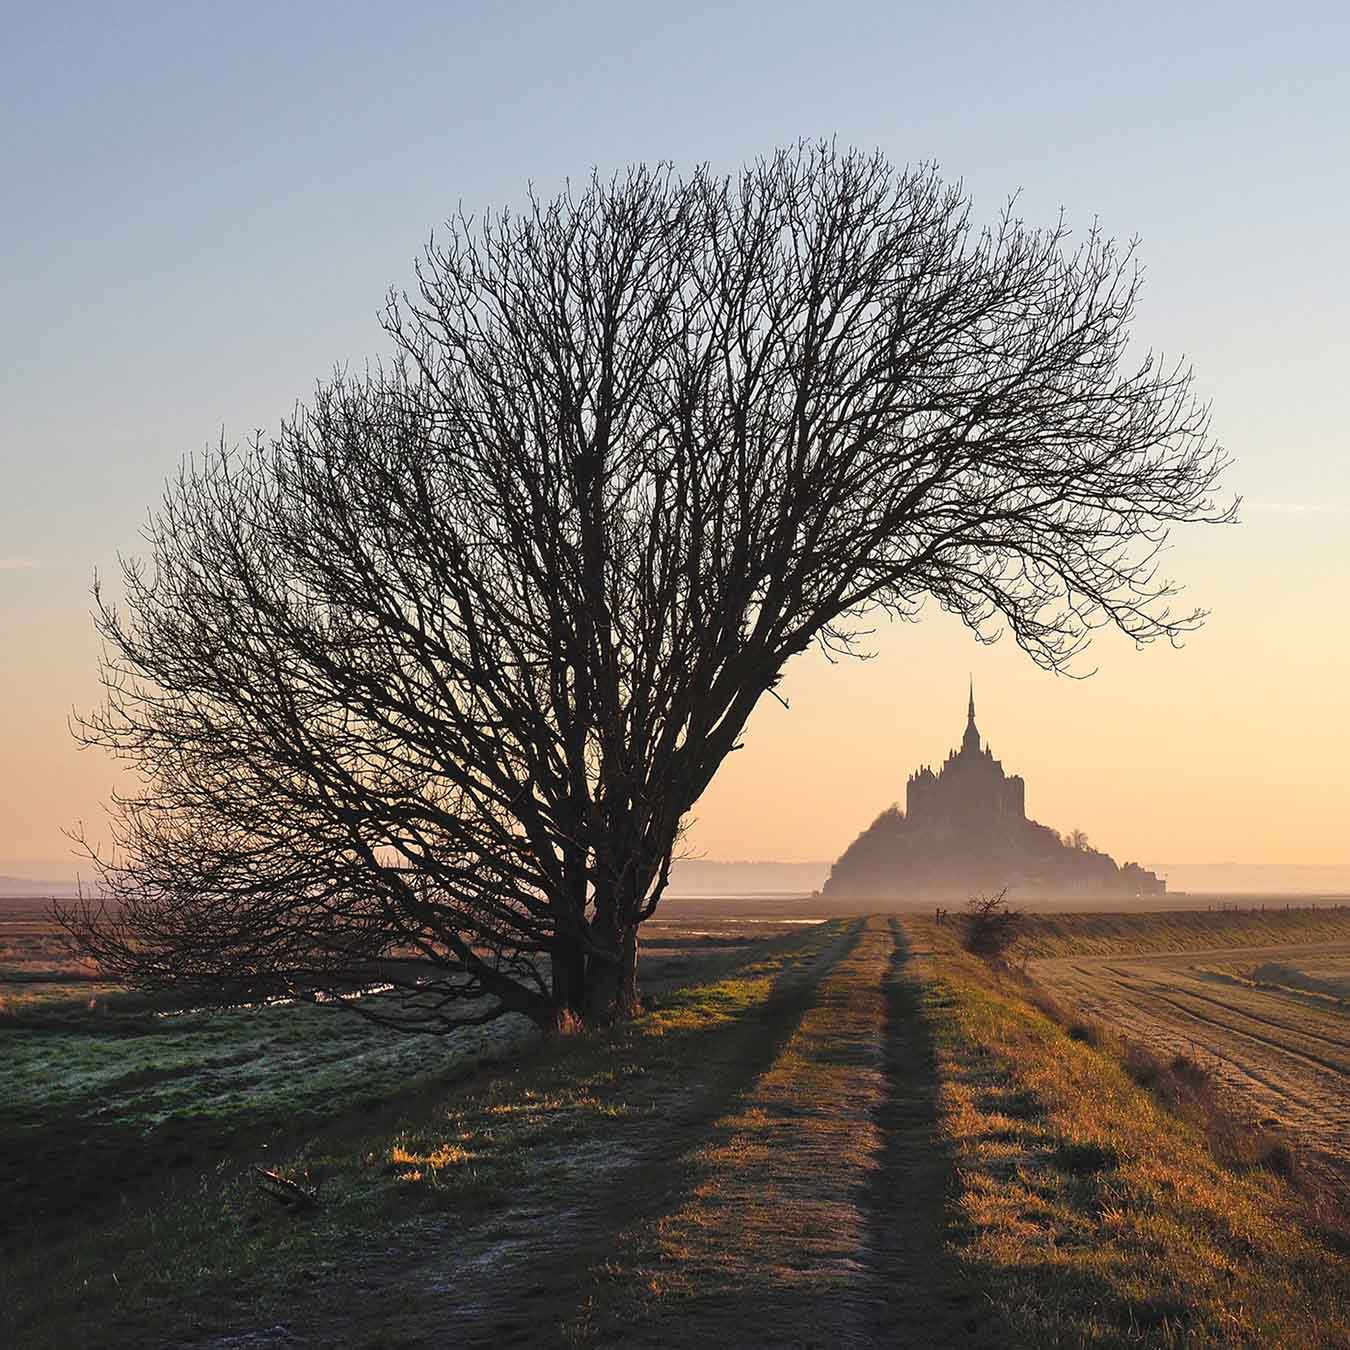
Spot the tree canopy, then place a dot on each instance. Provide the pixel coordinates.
(420, 688)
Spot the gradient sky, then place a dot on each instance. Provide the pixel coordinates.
(205, 204)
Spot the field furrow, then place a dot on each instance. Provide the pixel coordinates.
(1285, 1052)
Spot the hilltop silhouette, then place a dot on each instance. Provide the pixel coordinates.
(965, 828)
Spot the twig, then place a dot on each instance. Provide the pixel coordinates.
(284, 1190)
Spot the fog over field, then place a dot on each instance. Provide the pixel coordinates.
(714, 877)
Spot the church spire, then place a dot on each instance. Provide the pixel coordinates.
(971, 740)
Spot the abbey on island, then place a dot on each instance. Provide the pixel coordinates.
(964, 828)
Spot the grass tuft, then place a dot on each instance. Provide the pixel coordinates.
(1084, 1159)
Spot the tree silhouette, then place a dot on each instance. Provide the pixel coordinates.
(990, 929)
(421, 688)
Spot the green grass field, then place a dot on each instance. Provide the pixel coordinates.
(401, 1157)
(242, 1066)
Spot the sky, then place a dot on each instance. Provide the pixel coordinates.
(205, 206)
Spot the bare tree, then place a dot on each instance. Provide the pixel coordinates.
(990, 929)
(421, 689)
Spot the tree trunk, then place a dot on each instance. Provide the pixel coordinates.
(626, 998)
(612, 975)
(569, 980)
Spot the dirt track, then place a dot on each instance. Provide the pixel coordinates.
(791, 1194)
(1285, 1050)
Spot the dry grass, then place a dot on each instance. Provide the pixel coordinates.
(1277, 1055)
(763, 1247)
(1189, 1090)
(1094, 1214)
(1046, 935)
(823, 1143)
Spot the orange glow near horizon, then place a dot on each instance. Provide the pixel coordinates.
(183, 263)
(1235, 748)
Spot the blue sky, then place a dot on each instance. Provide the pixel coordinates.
(205, 204)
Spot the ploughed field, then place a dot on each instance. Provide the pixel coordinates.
(1270, 1020)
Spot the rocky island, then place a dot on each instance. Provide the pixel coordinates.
(964, 830)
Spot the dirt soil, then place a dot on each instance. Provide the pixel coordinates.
(1284, 1051)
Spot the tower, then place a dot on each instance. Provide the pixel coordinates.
(970, 742)
(971, 785)
(965, 828)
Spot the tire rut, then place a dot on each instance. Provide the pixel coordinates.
(1153, 988)
(922, 1294)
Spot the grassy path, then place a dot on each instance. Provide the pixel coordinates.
(927, 1295)
(767, 1248)
(782, 1185)
(857, 1136)
(819, 1215)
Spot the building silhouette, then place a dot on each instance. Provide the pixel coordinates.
(970, 786)
(965, 828)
